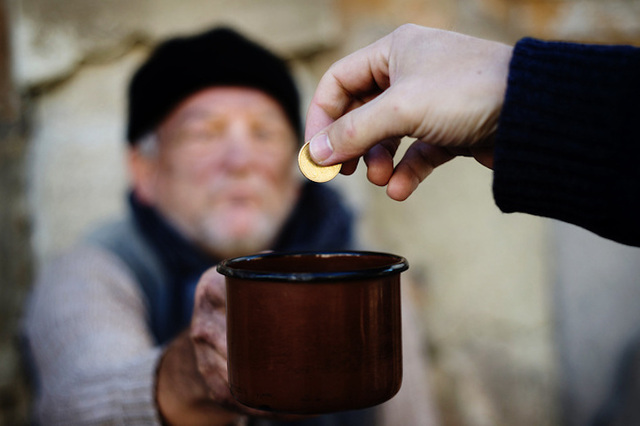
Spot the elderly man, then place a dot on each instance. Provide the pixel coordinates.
(127, 327)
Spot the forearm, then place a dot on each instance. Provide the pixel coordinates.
(181, 392)
(568, 142)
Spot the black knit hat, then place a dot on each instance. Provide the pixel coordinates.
(182, 66)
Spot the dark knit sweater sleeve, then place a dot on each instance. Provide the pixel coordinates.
(568, 139)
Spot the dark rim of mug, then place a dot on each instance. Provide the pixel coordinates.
(395, 265)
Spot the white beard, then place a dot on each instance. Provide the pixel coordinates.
(237, 229)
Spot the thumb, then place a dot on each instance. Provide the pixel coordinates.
(357, 131)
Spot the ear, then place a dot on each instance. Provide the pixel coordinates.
(143, 170)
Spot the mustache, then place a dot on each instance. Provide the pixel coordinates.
(250, 187)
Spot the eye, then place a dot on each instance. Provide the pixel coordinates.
(204, 133)
(268, 132)
(264, 134)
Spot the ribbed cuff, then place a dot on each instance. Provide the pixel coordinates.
(138, 392)
(568, 145)
(119, 395)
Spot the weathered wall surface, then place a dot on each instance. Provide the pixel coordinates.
(492, 288)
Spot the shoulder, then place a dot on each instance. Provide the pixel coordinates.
(84, 271)
(85, 274)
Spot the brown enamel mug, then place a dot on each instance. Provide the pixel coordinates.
(312, 333)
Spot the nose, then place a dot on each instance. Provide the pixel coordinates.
(238, 152)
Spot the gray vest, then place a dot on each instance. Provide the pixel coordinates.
(123, 239)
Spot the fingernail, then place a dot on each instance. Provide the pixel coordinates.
(320, 147)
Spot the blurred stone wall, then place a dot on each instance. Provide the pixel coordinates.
(15, 249)
(496, 292)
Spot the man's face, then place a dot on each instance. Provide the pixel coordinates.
(224, 170)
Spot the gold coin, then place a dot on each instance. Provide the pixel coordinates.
(313, 171)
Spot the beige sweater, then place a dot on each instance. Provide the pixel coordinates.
(95, 357)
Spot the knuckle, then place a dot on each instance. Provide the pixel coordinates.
(211, 277)
(406, 30)
(198, 332)
(408, 27)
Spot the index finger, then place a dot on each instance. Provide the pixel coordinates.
(349, 82)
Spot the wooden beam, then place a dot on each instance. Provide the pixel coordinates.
(8, 96)
(15, 250)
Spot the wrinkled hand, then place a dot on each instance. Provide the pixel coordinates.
(208, 334)
(444, 89)
(192, 385)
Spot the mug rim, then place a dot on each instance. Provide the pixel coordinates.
(396, 265)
